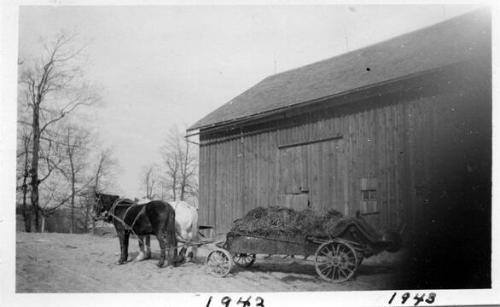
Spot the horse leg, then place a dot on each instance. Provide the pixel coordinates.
(182, 253)
(125, 245)
(173, 258)
(192, 253)
(194, 248)
(123, 236)
(148, 247)
(165, 243)
(183, 238)
(162, 242)
(141, 255)
(120, 235)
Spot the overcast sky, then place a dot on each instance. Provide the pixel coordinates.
(165, 65)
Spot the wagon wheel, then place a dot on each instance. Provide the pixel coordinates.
(336, 261)
(244, 260)
(219, 262)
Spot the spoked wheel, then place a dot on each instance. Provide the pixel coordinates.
(244, 260)
(336, 261)
(219, 262)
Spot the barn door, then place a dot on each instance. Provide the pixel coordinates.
(293, 186)
(313, 175)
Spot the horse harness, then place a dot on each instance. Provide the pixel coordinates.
(130, 227)
(111, 213)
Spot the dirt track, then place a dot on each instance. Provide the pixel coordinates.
(85, 263)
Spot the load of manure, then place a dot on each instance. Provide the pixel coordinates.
(284, 222)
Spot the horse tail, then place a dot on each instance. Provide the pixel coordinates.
(171, 235)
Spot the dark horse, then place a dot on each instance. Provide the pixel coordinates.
(155, 217)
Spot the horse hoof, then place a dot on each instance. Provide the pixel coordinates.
(139, 257)
(179, 260)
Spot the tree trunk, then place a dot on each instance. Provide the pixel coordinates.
(184, 172)
(72, 204)
(183, 187)
(174, 192)
(87, 214)
(26, 214)
(72, 168)
(43, 223)
(26, 174)
(34, 165)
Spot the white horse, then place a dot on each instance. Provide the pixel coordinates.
(186, 228)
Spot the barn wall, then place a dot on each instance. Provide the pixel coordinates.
(415, 146)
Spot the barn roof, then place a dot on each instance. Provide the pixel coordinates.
(443, 44)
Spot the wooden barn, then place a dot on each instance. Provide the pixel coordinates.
(399, 130)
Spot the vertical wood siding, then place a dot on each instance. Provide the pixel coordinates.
(398, 143)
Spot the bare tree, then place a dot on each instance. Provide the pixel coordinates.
(103, 175)
(163, 188)
(181, 164)
(52, 87)
(105, 168)
(24, 165)
(50, 159)
(150, 181)
(188, 170)
(76, 142)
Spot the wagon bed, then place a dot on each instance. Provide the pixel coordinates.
(336, 256)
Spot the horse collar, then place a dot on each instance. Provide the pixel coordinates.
(111, 211)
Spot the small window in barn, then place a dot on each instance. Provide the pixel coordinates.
(368, 196)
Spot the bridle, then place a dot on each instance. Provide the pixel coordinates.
(98, 208)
